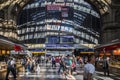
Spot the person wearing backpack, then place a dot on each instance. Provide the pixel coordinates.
(23, 62)
(11, 68)
(62, 65)
(53, 62)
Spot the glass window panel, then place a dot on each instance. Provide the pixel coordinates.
(35, 35)
(81, 41)
(18, 31)
(42, 36)
(83, 35)
(87, 36)
(30, 36)
(32, 29)
(27, 36)
(10, 34)
(1, 32)
(27, 30)
(92, 38)
(16, 36)
(32, 5)
(22, 37)
(6, 34)
(23, 31)
(39, 35)
(36, 28)
(96, 41)
(77, 40)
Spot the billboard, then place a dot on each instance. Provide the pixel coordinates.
(59, 12)
(53, 8)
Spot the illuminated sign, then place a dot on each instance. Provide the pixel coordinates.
(36, 45)
(59, 46)
(54, 7)
(58, 27)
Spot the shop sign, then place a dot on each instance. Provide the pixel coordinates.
(36, 45)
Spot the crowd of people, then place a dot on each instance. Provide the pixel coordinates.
(67, 65)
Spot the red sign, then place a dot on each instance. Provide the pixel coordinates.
(17, 48)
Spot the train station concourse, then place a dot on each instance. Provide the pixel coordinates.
(59, 39)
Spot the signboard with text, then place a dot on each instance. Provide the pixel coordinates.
(60, 46)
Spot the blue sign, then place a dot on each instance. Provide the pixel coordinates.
(59, 45)
(60, 39)
(86, 50)
(37, 50)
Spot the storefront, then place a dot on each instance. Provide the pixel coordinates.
(110, 51)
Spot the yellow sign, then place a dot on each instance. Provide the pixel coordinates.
(38, 52)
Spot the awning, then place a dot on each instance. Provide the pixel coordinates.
(7, 44)
(87, 52)
(109, 46)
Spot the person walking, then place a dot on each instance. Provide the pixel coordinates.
(89, 68)
(53, 62)
(62, 65)
(29, 65)
(106, 67)
(11, 67)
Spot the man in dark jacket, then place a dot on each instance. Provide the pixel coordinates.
(106, 67)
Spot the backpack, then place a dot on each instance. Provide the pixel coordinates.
(53, 59)
(9, 64)
(73, 65)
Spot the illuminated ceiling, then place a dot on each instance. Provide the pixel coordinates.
(102, 5)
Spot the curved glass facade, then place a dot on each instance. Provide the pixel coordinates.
(43, 21)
